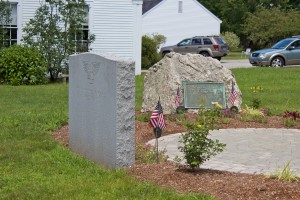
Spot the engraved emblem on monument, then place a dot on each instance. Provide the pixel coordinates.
(91, 69)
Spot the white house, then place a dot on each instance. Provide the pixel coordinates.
(178, 19)
(116, 25)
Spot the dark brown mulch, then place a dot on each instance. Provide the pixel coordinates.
(223, 185)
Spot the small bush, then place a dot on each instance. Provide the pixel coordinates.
(198, 147)
(232, 40)
(252, 115)
(21, 65)
(149, 52)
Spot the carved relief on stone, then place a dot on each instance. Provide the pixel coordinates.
(91, 69)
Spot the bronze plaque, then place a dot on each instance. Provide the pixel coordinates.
(202, 94)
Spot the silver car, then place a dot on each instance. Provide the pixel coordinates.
(284, 52)
(213, 46)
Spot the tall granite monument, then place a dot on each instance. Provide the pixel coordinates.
(101, 108)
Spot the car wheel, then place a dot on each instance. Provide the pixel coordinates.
(205, 54)
(277, 62)
(165, 52)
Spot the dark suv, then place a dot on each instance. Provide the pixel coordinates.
(213, 46)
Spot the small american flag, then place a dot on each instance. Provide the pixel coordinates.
(177, 98)
(233, 94)
(157, 117)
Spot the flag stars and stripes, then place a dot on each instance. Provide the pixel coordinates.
(157, 118)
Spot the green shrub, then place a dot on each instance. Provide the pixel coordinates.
(150, 56)
(252, 115)
(198, 147)
(232, 40)
(21, 65)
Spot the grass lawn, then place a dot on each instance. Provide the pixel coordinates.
(235, 55)
(34, 166)
(281, 87)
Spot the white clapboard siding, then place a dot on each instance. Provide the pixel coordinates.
(113, 26)
(115, 23)
(195, 20)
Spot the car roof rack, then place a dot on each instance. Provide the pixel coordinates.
(206, 36)
(296, 36)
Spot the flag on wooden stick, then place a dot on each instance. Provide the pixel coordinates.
(157, 117)
(177, 98)
(233, 94)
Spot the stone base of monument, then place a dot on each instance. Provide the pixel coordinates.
(102, 108)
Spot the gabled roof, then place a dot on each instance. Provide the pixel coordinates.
(149, 4)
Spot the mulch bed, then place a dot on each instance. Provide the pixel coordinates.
(221, 184)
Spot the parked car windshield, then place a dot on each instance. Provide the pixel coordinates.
(282, 44)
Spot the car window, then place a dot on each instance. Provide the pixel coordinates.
(207, 41)
(185, 42)
(296, 44)
(282, 44)
(196, 41)
(219, 40)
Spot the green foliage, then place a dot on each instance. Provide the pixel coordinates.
(290, 118)
(148, 154)
(210, 117)
(255, 103)
(144, 117)
(232, 40)
(286, 174)
(198, 147)
(289, 122)
(284, 23)
(150, 56)
(5, 19)
(159, 39)
(21, 65)
(52, 31)
(234, 14)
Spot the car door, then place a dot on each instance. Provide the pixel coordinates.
(293, 53)
(208, 45)
(196, 45)
(183, 47)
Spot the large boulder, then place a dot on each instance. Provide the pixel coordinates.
(162, 79)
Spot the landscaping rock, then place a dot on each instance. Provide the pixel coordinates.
(163, 78)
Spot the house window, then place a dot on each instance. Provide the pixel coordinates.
(9, 30)
(180, 7)
(82, 35)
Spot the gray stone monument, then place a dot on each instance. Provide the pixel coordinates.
(101, 108)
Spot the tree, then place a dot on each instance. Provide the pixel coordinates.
(266, 26)
(55, 30)
(5, 19)
(234, 13)
(149, 52)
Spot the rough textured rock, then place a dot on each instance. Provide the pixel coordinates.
(162, 79)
